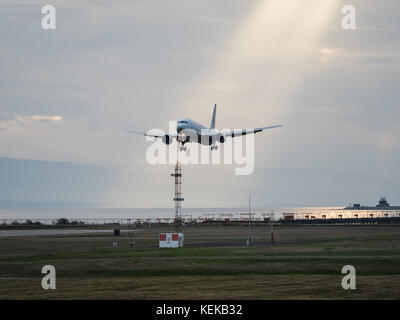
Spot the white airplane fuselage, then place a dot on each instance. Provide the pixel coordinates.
(188, 127)
(191, 131)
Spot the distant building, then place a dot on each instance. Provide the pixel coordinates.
(382, 205)
(355, 211)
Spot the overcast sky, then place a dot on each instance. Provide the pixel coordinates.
(70, 94)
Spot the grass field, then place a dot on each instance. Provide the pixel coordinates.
(305, 263)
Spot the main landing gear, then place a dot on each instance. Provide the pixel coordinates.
(182, 147)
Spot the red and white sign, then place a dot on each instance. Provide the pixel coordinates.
(171, 240)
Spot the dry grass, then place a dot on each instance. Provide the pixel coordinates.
(304, 264)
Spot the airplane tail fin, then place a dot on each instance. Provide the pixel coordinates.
(212, 126)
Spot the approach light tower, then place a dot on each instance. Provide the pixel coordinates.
(178, 196)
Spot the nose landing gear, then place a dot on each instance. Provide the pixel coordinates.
(182, 146)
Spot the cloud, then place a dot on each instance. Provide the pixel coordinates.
(326, 51)
(69, 95)
(44, 119)
(386, 142)
(356, 58)
(24, 120)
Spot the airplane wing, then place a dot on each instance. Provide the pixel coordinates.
(237, 133)
(152, 133)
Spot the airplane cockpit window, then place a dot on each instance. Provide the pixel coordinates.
(182, 122)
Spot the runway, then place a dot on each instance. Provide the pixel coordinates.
(41, 232)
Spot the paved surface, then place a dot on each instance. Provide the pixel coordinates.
(41, 232)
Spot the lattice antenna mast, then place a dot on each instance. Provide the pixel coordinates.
(178, 196)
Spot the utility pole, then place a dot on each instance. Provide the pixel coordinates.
(272, 226)
(249, 238)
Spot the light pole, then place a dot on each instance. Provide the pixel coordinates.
(272, 226)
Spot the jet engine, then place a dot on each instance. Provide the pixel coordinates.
(220, 138)
(167, 139)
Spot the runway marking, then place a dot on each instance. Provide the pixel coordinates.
(17, 278)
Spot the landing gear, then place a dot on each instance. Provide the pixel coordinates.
(182, 147)
(214, 147)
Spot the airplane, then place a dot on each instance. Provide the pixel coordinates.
(188, 130)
